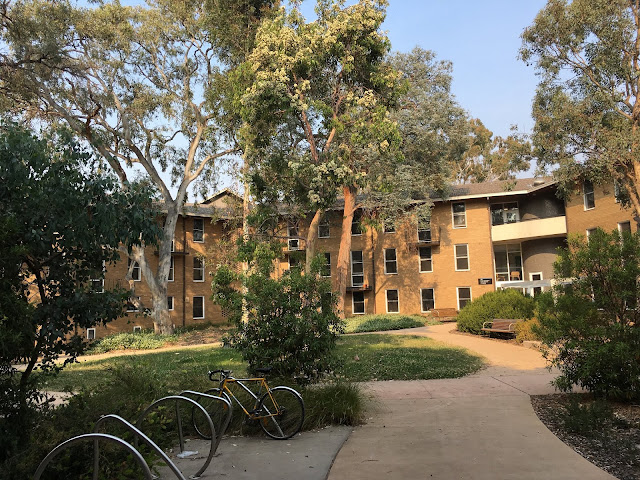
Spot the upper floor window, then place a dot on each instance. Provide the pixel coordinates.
(356, 227)
(426, 262)
(424, 232)
(293, 241)
(135, 273)
(617, 191)
(589, 195)
(462, 256)
(459, 212)
(324, 229)
(388, 227)
(390, 261)
(502, 213)
(357, 268)
(198, 230)
(97, 284)
(171, 271)
(198, 269)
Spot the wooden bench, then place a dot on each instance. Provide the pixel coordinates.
(501, 325)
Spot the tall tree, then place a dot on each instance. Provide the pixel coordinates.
(61, 223)
(145, 86)
(587, 107)
(317, 109)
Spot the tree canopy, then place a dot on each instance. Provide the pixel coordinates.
(587, 107)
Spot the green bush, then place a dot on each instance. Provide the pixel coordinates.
(507, 303)
(590, 328)
(288, 322)
(380, 323)
(526, 331)
(129, 341)
(586, 419)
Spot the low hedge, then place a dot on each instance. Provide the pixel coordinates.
(507, 303)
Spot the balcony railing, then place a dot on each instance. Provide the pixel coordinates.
(431, 239)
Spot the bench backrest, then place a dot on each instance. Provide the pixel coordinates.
(503, 324)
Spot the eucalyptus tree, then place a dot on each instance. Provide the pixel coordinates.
(146, 86)
(316, 113)
(587, 106)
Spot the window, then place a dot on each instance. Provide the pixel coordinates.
(590, 231)
(617, 191)
(502, 213)
(357, 303)
(589, 195)
(323, 228)
(198, 230)
(293, 241)
(426, 262)
(388, 227)
(293, 261)
(137, 329)
(464, 296)
(393, 304)
(135, 273)
(508, 261)
(171, 271)
(357, 269)
(624, 227)
(462, 256)
(198, 269)
(198, 307)
(91, 333)
(459, 212)
(170, 303)
(326, 268)
(390, 261)
(424, 232)
(132, 304)
(428, 301)
(536, 277)
(97, 284)
(356, 227)
(173, 245)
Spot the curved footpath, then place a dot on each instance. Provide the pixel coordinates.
(478, 427)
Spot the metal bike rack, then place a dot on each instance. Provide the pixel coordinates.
(137, 433)
(95, 437)
(225, 422)
(177, 399)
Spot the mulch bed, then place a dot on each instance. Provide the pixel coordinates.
(614, 446)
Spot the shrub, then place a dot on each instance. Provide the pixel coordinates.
(590, 328)
(507, 303)
(526, 331)
(288, 323)
(586, 418)
(129, 341)
(380, 323)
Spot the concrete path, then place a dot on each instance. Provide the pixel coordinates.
(477, 427)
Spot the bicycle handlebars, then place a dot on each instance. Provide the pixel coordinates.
(224, 373)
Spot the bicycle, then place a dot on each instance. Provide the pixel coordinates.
(279, 411)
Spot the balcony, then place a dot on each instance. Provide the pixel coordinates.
(530, 229)
(427, 238)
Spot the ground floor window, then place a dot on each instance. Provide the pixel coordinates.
(464, 296)
(169, 303)
(198, 307)
(393, 301)
(358, 303)
(91, 333)
(508, 262)
(428, 300)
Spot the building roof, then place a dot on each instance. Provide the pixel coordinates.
(518, 186)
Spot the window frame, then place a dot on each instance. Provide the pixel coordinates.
(433, 299)
(353, 304)
(193, 306)
(585, 193)
(420, 240)
(456, 257)
(388, 227)
(93, 331)
(626, 222)
(202, 268)
(361, 262)
(173, 304)
(531, 274)
(136, 277)
(421, 259)
(504, 212)
(455, 214)
(356, 221)
(393, 261)
(458, 296)
(326, 266)
(324, 223)
(137, 329)
(93, 281)
(293, 244)
(194, 230)
(135, 309)
(386, 297)
(172, 267)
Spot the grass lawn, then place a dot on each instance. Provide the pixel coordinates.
(381, 357)
(380, 323)
(402, 357)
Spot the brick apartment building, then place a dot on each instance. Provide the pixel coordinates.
(485, 236)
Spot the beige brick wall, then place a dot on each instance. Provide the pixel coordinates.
(606, 214)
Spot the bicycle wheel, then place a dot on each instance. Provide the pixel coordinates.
(216, 410)
(288, 413)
